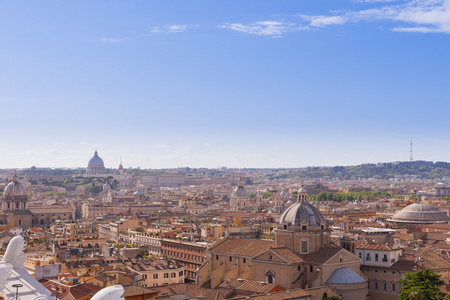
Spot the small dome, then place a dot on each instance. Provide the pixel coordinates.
(138, 193)
(96, 161)
(240, 192)
(302, 212)
(302, 190)
(14, 188)
(420, 213)
(284, 194)
(345, 275)
(106, 186)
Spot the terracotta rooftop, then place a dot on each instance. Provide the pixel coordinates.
(243, 247)
(250, 286)
(371, 246)
(287, 255)
(322, 255)
(313, 293)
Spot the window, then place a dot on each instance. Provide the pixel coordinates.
(375, 285)
(284, 226)
(393, 287)
(245, 260)
(360, 255)
(231, 258)
(384, 286)
(217, 257)
(311, 268)
(17, 204)
(173, 275)
(166, 275)
(155, 276)
(304, 228)
(270, 278)
(304, 247)
(181, 273)
(298, 268)
(376, 257)
(385, 259)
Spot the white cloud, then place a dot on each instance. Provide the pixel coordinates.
(273, 29)
(420, 15)
(110, 40)
(169, 29)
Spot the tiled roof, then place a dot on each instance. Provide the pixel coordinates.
(244, 247)
(287, 255)
(322, 255)
(133, 290)
(370, 246)
(249, 286)
(314, 293)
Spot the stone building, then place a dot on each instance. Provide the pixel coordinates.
(15, 205)
(300, 257)
(240, 198)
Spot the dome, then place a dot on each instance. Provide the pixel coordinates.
(302, 212)
(96, 161)
(284, 194)
(420, 213)
(302, 190)
(138, 193)
(14, 188)
(240, 192)
(345, 275)
(106, 186)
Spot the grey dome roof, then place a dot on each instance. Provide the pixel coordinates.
(302, 212)
(420, 213)
(106, 186)
(240, 192)
(345, 275)
(284, 194)
(14, 188)
(302, 190)
(96, 161)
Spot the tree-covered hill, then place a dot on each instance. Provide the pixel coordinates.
(423, 169)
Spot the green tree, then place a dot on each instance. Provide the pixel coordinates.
(421, 285)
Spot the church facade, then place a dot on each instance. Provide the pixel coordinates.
(17, 212)
(301, 256)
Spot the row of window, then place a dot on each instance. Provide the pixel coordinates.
(166, 275)
(369, 258)
(375, 285)
(176, 254)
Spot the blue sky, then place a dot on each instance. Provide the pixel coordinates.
(223, 83)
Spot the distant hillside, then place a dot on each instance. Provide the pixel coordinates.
(423, 169)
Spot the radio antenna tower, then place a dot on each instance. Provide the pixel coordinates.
(411, 158)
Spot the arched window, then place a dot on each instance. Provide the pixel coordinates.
(20, 222)
(270, 276)
(17, 204)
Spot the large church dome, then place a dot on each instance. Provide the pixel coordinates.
(14, 188)
(420, 213)
(96, 161)
(95, 165)
(302, 211)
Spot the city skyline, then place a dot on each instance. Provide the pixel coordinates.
(237, 84)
